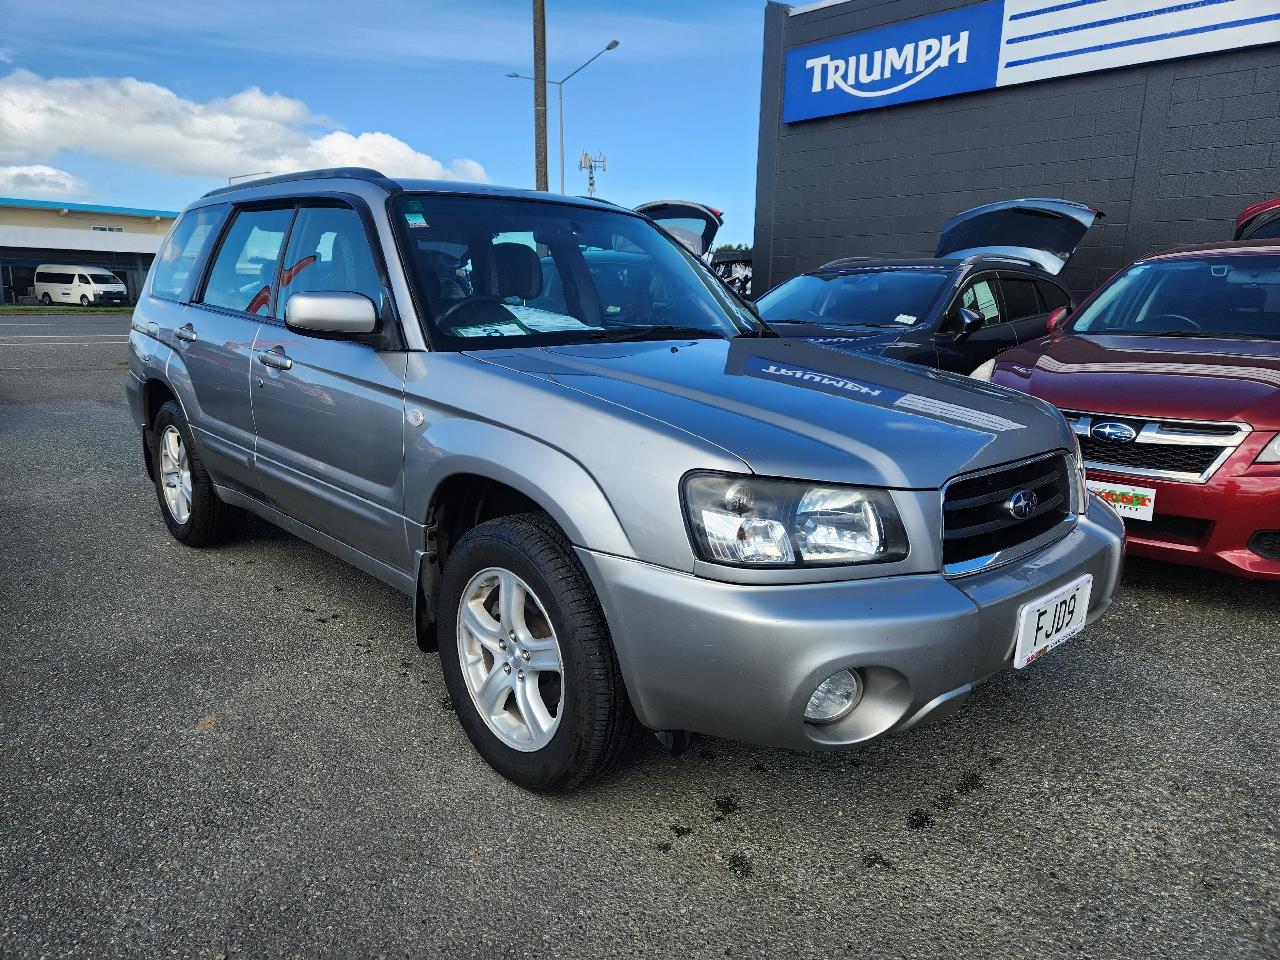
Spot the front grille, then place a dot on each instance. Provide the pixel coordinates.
(1150, 456)
(1182, 450)
(1266, 544)
(977, 520)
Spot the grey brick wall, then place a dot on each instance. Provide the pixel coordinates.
(1171, 152)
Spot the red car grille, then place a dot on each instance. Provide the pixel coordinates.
(1182, 450)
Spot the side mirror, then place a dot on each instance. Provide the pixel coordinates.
(1057, 321)
(970, 323)
(343, 313)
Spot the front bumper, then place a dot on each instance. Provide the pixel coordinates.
(1211, 525)
(740, 661)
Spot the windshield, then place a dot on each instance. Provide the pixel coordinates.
(878, 298)
(498, 272)
(104, 279)
(1235, 296)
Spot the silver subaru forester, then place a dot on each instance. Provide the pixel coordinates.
(619, 500)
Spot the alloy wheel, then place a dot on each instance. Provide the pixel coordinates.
(510, 659)
(175, 474)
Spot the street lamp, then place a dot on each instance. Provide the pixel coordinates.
(559, 84)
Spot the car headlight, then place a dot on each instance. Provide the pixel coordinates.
(1271, 452)
(985, 371)
(752, 522)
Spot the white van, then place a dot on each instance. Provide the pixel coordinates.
(87, 286)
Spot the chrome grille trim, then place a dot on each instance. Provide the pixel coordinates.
(1226, 435)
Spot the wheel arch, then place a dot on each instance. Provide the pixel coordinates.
(154, 394)
(476, 481)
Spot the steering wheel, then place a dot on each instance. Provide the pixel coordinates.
(471, 301)
(1162, 321)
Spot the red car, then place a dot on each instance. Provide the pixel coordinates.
(1170, 376)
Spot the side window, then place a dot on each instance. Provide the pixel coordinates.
(245, 266)
(81, 278)
(981, 296)
(1020, 299)
(172, 268)
(1052, 295)
(329, 253)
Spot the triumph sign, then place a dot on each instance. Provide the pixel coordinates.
(1005, 42)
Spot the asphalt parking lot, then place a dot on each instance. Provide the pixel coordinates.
(242, 752)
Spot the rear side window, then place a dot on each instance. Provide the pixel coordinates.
(171, 271)
(1053, 295)
(329, 252)
(244, 269)
(1020, 299)
(981, 297)
(47, 277)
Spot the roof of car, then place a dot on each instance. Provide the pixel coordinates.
(392, 186)
(1224, 247)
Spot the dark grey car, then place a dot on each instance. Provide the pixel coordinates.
(991, 285)
(616, 506)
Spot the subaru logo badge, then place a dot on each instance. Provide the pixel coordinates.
(1114, 432)
(1022, 505)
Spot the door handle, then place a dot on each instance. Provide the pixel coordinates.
(275, 358)
(186, 333)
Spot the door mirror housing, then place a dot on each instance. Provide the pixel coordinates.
(970, 322)
(352, 314)
(1056, 323)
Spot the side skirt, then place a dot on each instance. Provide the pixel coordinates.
(404, 582)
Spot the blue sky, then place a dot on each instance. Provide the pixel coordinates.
(147, 105)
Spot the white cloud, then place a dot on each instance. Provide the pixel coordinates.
(6, 55)
(37, 180)
(149, 125)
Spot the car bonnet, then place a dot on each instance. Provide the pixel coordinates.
(791, 408)
(1185, 379)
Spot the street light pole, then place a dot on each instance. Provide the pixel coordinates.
(540, 83)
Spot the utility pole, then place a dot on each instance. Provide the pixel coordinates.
(559, 84)
(540, 93)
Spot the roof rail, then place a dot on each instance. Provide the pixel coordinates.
(1003, 258)
(841, 261)
(367, 174)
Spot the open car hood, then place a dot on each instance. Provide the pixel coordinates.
(1262, 220)
(1045, 232)
(693, 224)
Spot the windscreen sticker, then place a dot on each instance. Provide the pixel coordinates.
(415, 219)
(904, 318)
(862, 390)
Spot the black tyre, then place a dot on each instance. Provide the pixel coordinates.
(527, 657)
(191, 508)
(46, 299)
(84, 300)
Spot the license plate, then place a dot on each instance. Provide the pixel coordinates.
(1051, 620)
(1132, 503)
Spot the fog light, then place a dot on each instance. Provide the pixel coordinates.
(835, 697)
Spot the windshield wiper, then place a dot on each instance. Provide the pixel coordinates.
(665, 332)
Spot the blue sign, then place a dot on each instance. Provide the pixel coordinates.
(1005, 42)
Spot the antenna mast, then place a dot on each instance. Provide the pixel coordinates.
(591, 164)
